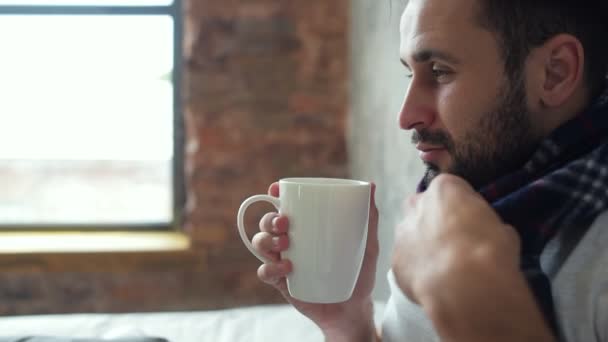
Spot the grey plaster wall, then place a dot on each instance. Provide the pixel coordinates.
(378, 149)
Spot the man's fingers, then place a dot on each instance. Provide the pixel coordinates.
(273, 273)
(266, 222)
(411, 202)
(274, 223)
(273, 190)
(454, 187)
(270, 245)
(373, 215)
(373, 209)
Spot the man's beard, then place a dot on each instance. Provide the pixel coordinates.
(501, 142)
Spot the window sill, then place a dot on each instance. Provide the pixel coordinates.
(95, 252)
(91, 242)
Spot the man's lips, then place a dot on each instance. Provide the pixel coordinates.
(430, 153)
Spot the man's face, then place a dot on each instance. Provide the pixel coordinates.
(468, 117)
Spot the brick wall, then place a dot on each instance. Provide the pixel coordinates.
(265, 98)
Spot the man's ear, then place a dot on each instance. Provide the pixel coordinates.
(563, 68)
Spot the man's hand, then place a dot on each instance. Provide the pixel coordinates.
(348, 321)
(455, 257)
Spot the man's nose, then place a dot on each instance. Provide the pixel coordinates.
(417, 110)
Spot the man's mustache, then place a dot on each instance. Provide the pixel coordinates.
(437, 138)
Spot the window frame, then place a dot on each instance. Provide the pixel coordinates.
(175, 11)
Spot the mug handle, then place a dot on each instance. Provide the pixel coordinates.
(241, 221)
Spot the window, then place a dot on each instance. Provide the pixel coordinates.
(90, 128)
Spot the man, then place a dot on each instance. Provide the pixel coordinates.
(505, 240)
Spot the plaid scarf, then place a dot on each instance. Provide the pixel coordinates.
(563, 185)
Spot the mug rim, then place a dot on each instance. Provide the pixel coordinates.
(324, 181)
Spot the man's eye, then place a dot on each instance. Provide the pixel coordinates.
(439, 72)
(409, 74)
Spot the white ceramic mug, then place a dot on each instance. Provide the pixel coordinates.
(328, 221)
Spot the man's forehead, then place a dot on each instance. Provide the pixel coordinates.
(437, 20)
(422, 16)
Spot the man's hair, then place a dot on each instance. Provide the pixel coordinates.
(521, 25)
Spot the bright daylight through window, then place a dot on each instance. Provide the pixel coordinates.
(87, 109)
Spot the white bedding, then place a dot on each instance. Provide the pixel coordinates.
(252, 324)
